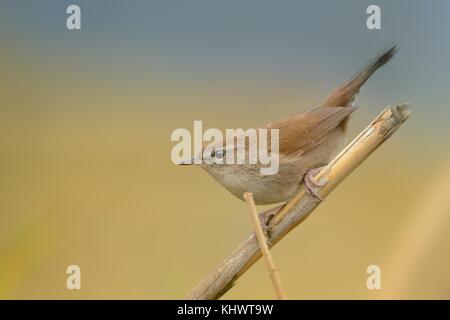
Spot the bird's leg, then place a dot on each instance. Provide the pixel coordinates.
(311, 185)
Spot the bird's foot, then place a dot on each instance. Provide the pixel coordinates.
(313, 186)
(264, 221)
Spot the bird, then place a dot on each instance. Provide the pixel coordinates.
(307, 141)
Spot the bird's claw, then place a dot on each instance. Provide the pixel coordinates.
(264, 220)
(313, 186)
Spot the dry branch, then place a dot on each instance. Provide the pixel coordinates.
(219, 281)
(273, 271)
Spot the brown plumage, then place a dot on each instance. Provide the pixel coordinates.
(307, 141)
(305, 131)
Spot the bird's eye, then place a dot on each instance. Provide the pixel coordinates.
(219, 154)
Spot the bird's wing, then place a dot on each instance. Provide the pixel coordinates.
(304, 131)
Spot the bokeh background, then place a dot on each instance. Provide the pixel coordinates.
(85, 123)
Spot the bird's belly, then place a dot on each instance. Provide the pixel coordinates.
(274, 193)
(268, 189)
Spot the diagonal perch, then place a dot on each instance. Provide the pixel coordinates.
(219, 281)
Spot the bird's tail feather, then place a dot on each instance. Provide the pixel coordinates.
(346, 94)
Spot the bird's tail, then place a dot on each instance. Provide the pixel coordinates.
(346, 94)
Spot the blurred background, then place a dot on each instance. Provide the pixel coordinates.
(85, 123)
